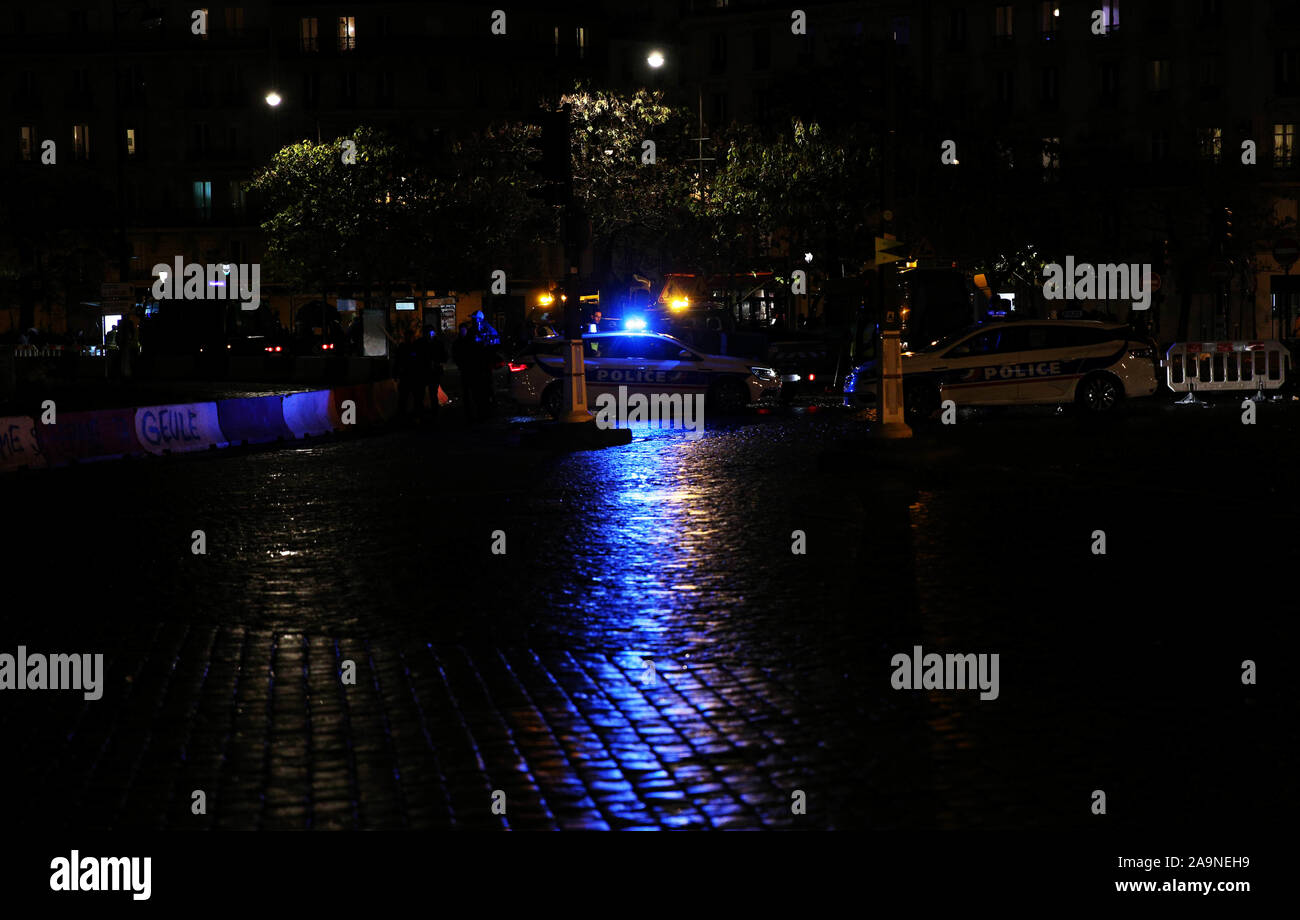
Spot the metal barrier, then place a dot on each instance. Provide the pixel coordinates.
(56, 351)
(1214, 366)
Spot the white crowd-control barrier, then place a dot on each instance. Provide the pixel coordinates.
(1214, 366)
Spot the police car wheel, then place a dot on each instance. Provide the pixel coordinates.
(1099, 394)
(727, 396)
(552, 399)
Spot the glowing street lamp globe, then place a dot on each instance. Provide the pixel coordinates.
(273, 99)
(655, 60)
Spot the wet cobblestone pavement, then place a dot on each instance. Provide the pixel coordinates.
(648, 652)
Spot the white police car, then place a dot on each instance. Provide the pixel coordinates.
(1025, 362)
(644, 362)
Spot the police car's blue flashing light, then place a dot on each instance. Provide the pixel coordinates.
(634, 324)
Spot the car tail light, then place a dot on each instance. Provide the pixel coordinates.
(516, 367)
(812, 377)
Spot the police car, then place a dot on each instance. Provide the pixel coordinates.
(1089, 363)
(644, 362)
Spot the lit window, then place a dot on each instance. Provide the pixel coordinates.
(203, 199)
(1002, 23)
(557, 41)
(1284, 146)
(307, 34)
(1211, 144)
(1110, 16)
(1051, 158)
(1158, 76)
(237, 200)
(26, 142)
(1048, 16)
(580, 38)
(234, 19)
(130, 142)
(81, 142)
(347, 33)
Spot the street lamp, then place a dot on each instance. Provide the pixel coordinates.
(273, 99)
(656, 60)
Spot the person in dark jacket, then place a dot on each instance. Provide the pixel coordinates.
(412, 375)
(465, 352)
(435, 358)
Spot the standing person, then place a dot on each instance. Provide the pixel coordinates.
(126, 344)
(488, 341)
(464, 352)
(437, 357)
(596, 317)
(356, 337)
(410, 376)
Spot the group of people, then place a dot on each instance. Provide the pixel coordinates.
(420, 359)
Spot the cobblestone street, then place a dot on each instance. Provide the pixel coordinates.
(648, 652)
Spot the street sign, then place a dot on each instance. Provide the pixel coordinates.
(884, 245)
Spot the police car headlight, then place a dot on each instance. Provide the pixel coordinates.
(763, 373)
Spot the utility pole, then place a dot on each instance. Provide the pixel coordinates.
(891, 423)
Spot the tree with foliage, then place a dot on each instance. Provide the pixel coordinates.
(806, 190)
(640, 211)
(376, 213)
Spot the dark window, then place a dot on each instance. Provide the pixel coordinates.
(1006, 88)
(717, 52)
(1287, 71)
(957, 29)
(311, 90)
(1108, 82)
(348, 88)
(1049, 88)
(762, 49)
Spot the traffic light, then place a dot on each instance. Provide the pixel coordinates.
(554, 169)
